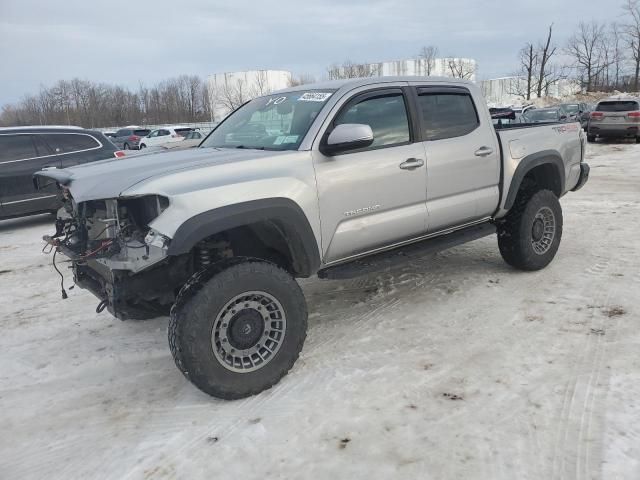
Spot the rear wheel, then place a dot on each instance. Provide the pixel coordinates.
(530, 234)
(125, 146)
(238, 327)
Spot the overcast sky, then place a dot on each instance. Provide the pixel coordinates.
(127, 42)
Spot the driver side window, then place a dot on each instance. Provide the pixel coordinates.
(386, 115)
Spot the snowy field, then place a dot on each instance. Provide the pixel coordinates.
(455, 367)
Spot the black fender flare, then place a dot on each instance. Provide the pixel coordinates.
(528, 163)
(286, 213)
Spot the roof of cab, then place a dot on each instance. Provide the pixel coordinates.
(351, 83)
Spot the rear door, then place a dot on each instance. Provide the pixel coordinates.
(72, 148)
(463, 157)
(375, 196)
(21, 155)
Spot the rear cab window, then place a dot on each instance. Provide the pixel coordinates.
(618, 106)
(446, 114)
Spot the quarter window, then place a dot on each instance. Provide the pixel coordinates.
(386, 115)
(447, 115)
(68, 143)
(16, 147)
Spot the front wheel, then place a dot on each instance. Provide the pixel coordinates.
(591, 138)
(529, 236)
(238, 327)
(142, 145)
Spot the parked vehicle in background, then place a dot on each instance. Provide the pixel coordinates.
(503, 116)
(109, 134)
(128, 138)
(578, 112)
(521, 110)
(25, 150)
(617, 117)
(545, 115)
(337, 179)
(194, 138)
(164, 135)
(191, 140)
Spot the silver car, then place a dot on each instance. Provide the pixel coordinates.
(617, 117)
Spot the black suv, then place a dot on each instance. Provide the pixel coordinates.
(25, 150)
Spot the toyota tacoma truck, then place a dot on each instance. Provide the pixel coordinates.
(336, 180)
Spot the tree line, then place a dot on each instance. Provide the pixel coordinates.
(90, 104)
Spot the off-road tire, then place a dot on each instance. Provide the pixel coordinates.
(515, 232)
(201, 300)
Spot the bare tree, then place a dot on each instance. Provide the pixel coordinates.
(618, 58)
(460, 68)
(261, 85)
(349, 69)
(302, 79)
(586, 49)
(546, 52)
(631, 30)
(528, 70)
(427, 59)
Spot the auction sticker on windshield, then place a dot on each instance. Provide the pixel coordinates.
(314, 96)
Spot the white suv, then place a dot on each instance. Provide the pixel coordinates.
(164, 135)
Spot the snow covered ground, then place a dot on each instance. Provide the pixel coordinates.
(455, 367)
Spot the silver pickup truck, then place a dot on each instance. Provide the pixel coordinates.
(336, 179)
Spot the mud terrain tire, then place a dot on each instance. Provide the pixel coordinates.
(529, 236)
(238, 327)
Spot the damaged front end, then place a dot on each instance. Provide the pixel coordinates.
(117, 256)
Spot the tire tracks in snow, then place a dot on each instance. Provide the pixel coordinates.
(575, 443)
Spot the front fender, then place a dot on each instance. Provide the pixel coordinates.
(286, 213)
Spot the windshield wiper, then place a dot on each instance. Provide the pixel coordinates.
(250, 148)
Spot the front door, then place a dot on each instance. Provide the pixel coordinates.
(372, 197)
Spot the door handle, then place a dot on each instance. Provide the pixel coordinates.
(412, 163)
(484, 152)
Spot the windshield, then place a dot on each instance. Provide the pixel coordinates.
(273, 122)
(541, 115)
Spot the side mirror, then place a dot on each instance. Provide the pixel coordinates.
(348, 136)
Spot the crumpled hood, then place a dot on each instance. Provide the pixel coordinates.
(110, 178)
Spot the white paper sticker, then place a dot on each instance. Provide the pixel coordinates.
(314, 96)
(279, 140)
(290, 139)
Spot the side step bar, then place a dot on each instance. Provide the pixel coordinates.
(402, 255)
